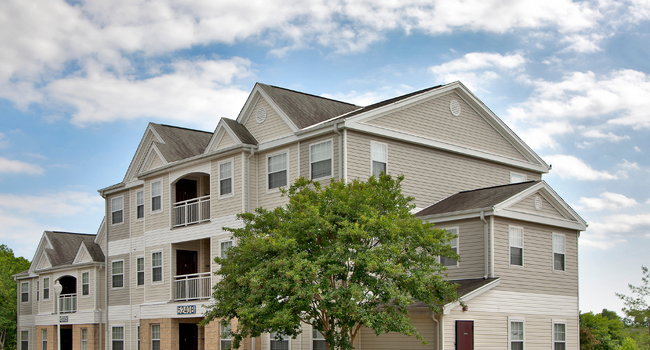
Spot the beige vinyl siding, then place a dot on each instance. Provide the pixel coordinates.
(119, 231)
(46, 306)
(537, 274)
(423, 323)
(230, 204)
(159, 219)
(137, 225)
(272, 128)
(137, 292)
(432, 119)
(25, 308)
(272, 198)
(152, 161)
(255, 176)
(471, 247)
(158, 291)
(430, 174)
(528, 205)
(139, 158)
(226, 140)
(86, 302)
(305, 167)
(119, 296)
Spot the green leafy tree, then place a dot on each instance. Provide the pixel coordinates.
(604, 331)
(636, 307)
(10, 265)
(339, 258)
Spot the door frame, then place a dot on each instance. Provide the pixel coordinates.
(456, 332)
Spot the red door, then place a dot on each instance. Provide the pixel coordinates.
(464, 335)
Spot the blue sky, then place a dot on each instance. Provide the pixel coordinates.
(79, 80)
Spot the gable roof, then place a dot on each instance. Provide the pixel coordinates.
(476, 199)
(65, 245)
(388, 101)
(240, 131)
(305, 109)
(180, 143)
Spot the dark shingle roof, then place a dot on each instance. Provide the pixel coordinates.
(181, 143)
(304, 109)
(476, 199)
(242, 133)
(389, 101)
(66, 244)
(464, 287)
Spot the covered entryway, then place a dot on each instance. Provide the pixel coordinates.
(188, 336)
(464, 335)
(66, 338)
(390, 341)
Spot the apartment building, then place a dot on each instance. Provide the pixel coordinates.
(468, 172)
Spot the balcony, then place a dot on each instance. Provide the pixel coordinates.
(68, 303)
(191, 211)
(192, 287)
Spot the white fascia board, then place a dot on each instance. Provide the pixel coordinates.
(457, 215)
(397, 135)
(471, 295)
(544, 220)
(77, 257)
(250, 102)
(140, 148)
(216, 138)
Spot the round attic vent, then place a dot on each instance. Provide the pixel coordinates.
(261, 115)
(538, 202)
(454, 107)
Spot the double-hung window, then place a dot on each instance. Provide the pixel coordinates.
(117, 274)
(156, 195)
(320, 160)
(117, 210)
(139, 266)
(24, 340)
(46, 288)
(44, 339)
(155, 337)
(559, 336)
(225, 178)
(84, 339)
(516, 240)
(85, 283)
(516, 335)
(225, 246)
(559, 252)
(277, 171)
(24, 292)
(279, 341)
(139, 204)
(378, 157)
(225, 338)
(117, 337)
(318, 340)
(446, 261)
(156, 266)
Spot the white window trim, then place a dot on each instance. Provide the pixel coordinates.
(144, 270)
(81, 338)
(232, 177)
(513, 173)
(372, 142)
(457, 246)
(288, 338)
(44, 339)
(123, 335)
(553, 323)
(28, 292)
(48, 288)
(221, 333)
(311, 343)
(113, 211)
(523, 243)
(266, 170)
(159, 334)
(162, 266)
(144, 205)
(123, 274)
(553, 252)
(162, 205)
(331, 141)
(82, 284)
(515, 319)
(225, 240)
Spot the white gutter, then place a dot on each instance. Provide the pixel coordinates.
(486, 240)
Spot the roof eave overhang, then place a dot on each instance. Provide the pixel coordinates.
(70, 266)
(471, 295)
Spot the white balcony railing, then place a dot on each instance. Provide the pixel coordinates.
(192, 211)
(192, 287)
(67, 303)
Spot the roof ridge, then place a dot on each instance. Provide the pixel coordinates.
(182, 128)
(497, 186)
(308, 94)
(74, 233)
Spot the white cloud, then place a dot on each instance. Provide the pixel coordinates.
(570, 167)
(608, 136)
(627, 165)
(606, 201)
(365, 98)
(583, 43)
(11, 166)
(542, 136)
(67, 203)
(612, 230)
(475, 68)
(193, 92)
(637, 148)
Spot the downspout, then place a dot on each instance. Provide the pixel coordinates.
(486, 242)
(492, 246)
(340, 139)
(106, 289)
(248, 190)
(433, 317)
